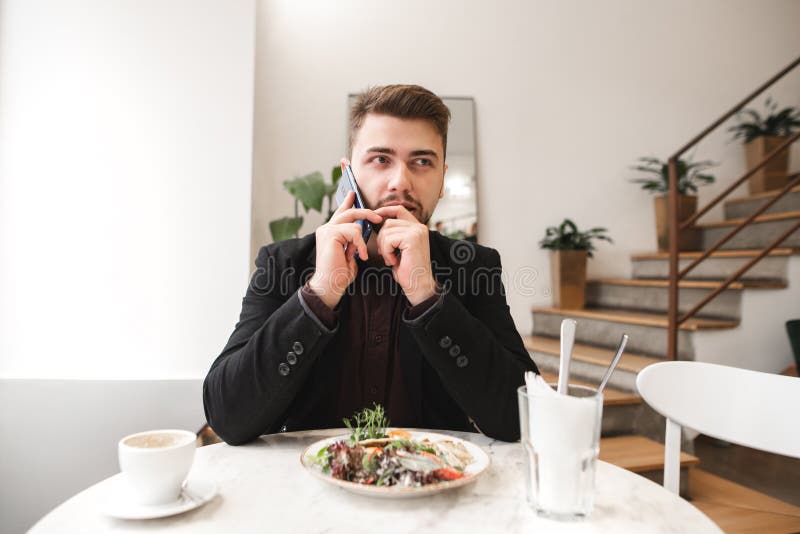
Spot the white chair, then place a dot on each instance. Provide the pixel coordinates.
(757, 410)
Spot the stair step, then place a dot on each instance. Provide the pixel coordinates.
(589, 363)
(770, 270)
(691, 284)
(652, 296)
(638, 454)
(741, 253)
(587, 353)
(759, 196)
(760, 233)
(760, 219)
(640, 318)
(611, 396)
(603, 327)
(746, 205)
(704, 486)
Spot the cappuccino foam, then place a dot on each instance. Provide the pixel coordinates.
(155, 441)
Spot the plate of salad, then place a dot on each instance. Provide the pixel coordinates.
(380, 461)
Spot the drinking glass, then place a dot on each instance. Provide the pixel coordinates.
(561, 438)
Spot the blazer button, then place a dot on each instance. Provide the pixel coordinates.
(462, 361)
(445, 342)
(291, 358)
(455, 350)
(284, 369)
(297, 348)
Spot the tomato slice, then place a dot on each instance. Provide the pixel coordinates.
(448, 473)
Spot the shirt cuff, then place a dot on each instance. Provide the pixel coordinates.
(413, 313)
(328, 317)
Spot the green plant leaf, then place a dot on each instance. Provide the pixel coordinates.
(659, 170)
(752, 125)
(566, 236)
(309, 190)
(284, 228)
(755, 118)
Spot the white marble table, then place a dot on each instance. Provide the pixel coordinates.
(263, 488)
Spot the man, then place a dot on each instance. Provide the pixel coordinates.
(410, 319)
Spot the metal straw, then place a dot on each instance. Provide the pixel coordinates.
(614, 362)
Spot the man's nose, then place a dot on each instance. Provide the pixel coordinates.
(400, 180)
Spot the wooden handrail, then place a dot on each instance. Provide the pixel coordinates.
(766, 85)
(674, 227)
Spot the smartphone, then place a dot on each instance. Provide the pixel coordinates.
(347, 183)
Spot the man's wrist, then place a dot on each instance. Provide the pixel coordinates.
(423, 292)
(318, 309)
(324, 293)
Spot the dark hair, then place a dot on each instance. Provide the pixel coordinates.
(401, 101)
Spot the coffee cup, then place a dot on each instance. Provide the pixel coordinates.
(156, 463)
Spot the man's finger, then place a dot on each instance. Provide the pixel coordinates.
(349, 237)
(397, 212)
(388, 241)
(352, 233)
(356, 214)
(346, 204)
(349, 250)
(396, 223)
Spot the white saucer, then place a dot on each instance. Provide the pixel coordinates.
(118, 504)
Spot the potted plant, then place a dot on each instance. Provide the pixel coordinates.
(691, 175)
(763, 135)
(570, 249)
(310, 191)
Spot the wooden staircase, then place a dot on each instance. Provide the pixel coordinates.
(638, 306)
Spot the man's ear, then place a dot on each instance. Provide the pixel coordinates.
(344, 163)
(444, 174)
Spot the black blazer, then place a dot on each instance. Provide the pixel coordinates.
(463, 359)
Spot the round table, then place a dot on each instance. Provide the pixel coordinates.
(263, 488)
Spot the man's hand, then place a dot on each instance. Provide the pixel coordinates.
(338, 242)
(412, 269)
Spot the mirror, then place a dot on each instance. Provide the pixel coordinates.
(456, 215)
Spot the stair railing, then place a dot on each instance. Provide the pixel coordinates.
(675, 276)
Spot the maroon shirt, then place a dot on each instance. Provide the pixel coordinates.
(372, 367)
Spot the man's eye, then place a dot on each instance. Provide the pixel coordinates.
(381, 159)
(423, 161)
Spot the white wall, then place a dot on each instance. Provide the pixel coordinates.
(568, 94)
(760, 342)
(58, 437)
(125, 177)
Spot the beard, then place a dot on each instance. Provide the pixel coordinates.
(418, 212)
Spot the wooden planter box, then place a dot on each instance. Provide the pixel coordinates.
(775, 173)
(568, 277)
(690, 239)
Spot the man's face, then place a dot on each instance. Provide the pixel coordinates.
(399, 161)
